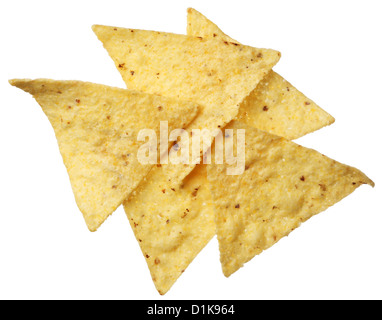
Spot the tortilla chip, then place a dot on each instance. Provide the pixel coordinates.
(171, 225)
(96, 127)
(283, 185)
(275, 105)
(174, 250)
(216, 74)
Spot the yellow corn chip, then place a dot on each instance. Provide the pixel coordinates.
(167, 251)
(96, 127)
(283, 185)
(171, 225)
(275, 105)
(216, 74)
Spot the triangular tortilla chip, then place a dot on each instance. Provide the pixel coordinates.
(171, 225)
(96, 127)
(283, 185)
(275, 105)
(170, 256)
(215, 73)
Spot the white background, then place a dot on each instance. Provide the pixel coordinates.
(331, 51)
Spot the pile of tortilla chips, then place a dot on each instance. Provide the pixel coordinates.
(202, 80)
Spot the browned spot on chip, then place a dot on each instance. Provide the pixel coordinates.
(237, 206)
(195, 192)
(302, 178)
(157, 261)
(265, 108)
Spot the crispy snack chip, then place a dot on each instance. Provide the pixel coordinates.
(275, 105)
(182, 239)
(96, 127)
(171, 225)
(283, 185)
(215, 73)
